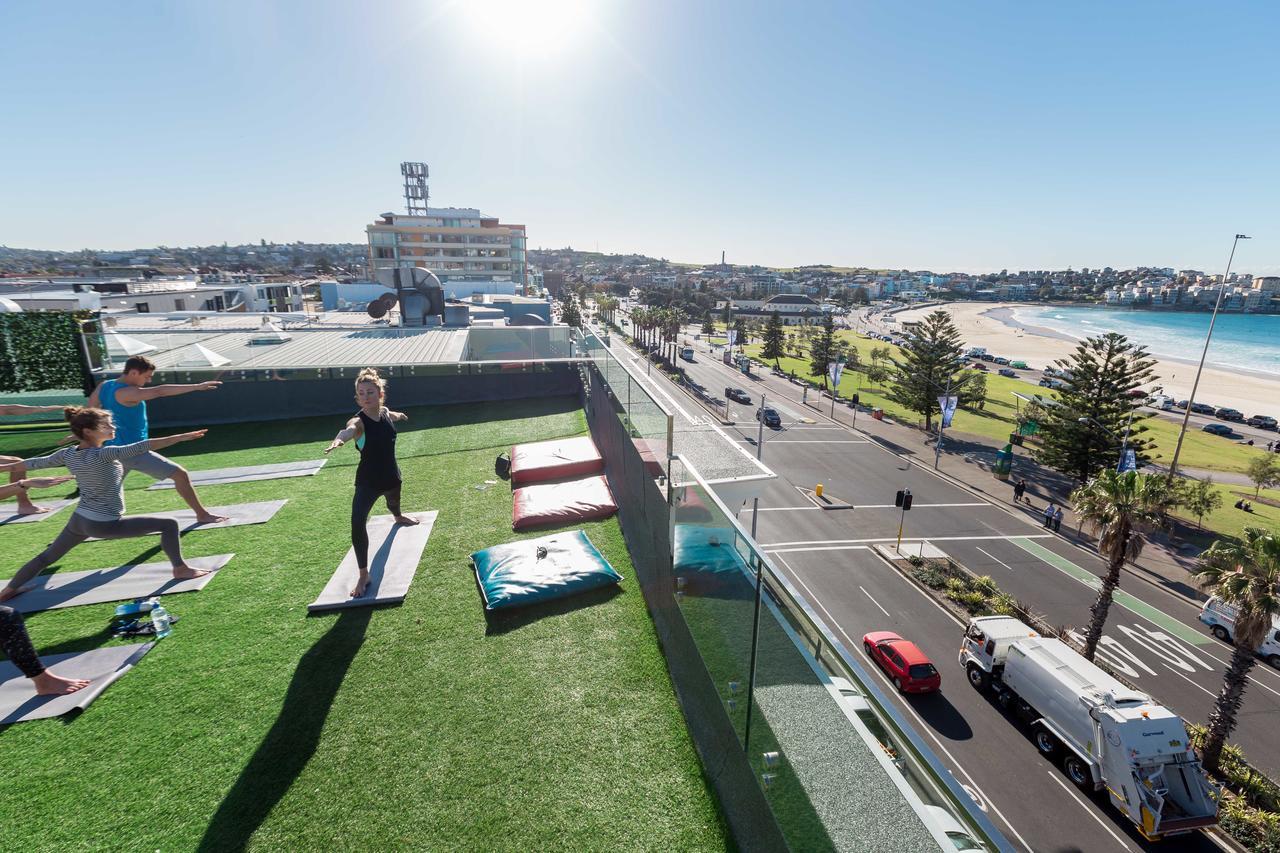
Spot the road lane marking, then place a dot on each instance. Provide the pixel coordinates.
(998, 560)
(873, 601)
(1054, 776)
(1124, 599)
(838, 542)
(1188, 680)
(902, 703)
(807, 441)
(786, 508)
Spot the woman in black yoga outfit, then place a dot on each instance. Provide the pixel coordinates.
(378, 475)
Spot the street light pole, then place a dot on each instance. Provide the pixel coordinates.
(755, 502)
(1186, 415)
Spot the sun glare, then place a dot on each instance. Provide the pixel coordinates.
(531, 27)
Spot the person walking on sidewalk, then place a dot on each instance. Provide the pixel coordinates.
(1048, 514)
(1019, 490)
(1057, 520)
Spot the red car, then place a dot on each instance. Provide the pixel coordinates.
(903, 661)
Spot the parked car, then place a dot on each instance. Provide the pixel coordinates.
(1020, 365)
(1229, 414)
(1000, 360)
(1202, 409)
(977, 365)
(1262, 422)
(1216, 429)
(1006, 371)
(769, 417)
(738, 395)
(1181, 405)
(908, 667)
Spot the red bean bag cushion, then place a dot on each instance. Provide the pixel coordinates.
(560, 503)
(558, 459)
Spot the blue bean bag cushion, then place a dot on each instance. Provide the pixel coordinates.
(535, 570)
(707, 563)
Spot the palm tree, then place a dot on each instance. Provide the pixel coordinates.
(1244, 575)
(1122, 509)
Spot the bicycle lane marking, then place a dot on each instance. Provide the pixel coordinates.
(1124, 599)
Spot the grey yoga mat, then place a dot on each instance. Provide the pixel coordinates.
(275, 471)
(394, 552)
(71, 589)
(237, 514)
(9, 512)
(19, 702)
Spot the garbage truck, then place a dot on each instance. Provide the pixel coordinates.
(1105, 735)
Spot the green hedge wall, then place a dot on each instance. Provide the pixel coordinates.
(39, 350)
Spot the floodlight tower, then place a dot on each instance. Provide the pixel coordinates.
(415, 188)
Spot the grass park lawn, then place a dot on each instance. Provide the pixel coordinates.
(1229, 521)
(998, 418)
(419, 726)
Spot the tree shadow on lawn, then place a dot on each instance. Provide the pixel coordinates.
(292, 740)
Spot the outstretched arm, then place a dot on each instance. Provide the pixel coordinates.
(350, 432)
(165, 441)
(19, 409)
(397, 416)
(133, 396)
(8, 490)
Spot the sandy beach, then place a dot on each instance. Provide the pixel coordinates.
(991, 325)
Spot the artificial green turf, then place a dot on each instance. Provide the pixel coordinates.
(420, 726)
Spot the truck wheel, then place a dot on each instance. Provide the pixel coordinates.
(977, 677)
(1274, 660)
(1077, 772)
(1221, 633)
(1045, 742)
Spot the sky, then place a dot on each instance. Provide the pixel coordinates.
(926, 135)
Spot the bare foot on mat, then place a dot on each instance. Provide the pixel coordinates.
(9, 592)
(362, 583)
(209, 518)
(48, 684)
(406, 520)
(183, 573)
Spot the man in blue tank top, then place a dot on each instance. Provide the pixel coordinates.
(126, 399)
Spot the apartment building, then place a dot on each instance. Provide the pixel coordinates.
(455, 243)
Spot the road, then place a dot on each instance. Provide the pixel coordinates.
(1153, 635)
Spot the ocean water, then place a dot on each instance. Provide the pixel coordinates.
(1247, 341)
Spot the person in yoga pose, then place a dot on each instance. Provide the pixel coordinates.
(377, 475)
(17, 645)
(25, 506)
(126, 399)
(99, 472)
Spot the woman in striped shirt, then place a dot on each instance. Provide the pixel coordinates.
(100, 476)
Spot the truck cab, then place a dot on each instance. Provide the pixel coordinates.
(986, 646)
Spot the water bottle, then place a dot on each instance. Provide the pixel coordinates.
(160, 621)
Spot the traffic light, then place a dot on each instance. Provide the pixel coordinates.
(903, 499)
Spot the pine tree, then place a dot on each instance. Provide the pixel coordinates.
(931, 362)
(774, 342)
(570, 314)
(1083, 433)
(822, 349)
(740, 331)
(708, 328)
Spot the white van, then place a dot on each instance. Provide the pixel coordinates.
(1221, 619)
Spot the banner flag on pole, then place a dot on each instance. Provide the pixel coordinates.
(948, 406)
(733, 336)
(1128, 461)
(834, 370)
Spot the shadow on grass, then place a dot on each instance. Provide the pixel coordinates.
(292, 740)
(504, 621)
